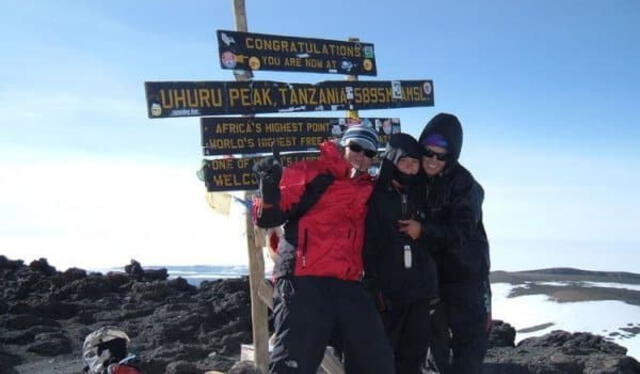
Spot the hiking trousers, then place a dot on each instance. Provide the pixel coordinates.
(308, 311)
(459, 338)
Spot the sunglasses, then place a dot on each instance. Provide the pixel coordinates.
(440, 156)
(357, 148)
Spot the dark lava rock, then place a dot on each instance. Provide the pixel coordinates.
(134, 270)
(92, 287)
(24, 321)
(8, 361)
(502, 334)
(182, 367)
(43, 267)
(576, 343)
(50, 344)
(155, 291)
(244, 367)
(156, 274)
(560, 352)
(178, 328)
(5, 263)
(157, 360)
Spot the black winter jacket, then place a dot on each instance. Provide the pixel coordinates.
(453, 228)
(384, 246)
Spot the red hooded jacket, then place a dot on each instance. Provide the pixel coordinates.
(326, 240)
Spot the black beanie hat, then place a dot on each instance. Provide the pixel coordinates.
(402, 145)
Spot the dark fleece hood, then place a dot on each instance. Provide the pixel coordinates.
(450, 128)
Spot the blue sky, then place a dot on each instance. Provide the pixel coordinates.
(546, 91)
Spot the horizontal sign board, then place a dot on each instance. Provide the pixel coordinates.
(185, 99)
(249, 51)
(235, 174)
(233, 135)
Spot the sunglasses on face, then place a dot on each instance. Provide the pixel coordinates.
(440, 156)
(357, 148)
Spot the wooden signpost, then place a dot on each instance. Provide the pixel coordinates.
(248, 137)
(244, 135)
(249, 51)
(189, 99)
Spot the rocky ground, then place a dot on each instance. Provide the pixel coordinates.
(174, 326)
(178, 328)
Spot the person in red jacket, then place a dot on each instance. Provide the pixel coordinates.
(318, 267)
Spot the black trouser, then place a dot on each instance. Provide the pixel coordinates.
(408, 330)
(407, 325)
(459, 327)
(308, 310)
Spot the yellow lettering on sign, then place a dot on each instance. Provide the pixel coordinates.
(312, 96)
(388, 94)
(293, 97)
(234, 94)
(317, 127)
(310, 141)
(330, 64)
(204, 97)
(280, 127)
(325, 49)
(190, 98)
(218, 179)
(166, 99)
(221, 164)
(293, 61)
(283, 95)
(243, 163)
(244, 97)
(180, 98)
(231, 144)
(248, 179)
(302, 95)
(313, 63)
(343, 97)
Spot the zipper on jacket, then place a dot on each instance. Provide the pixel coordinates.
(304, 249)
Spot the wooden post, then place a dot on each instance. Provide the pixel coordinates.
(353, 114)
(256, 260)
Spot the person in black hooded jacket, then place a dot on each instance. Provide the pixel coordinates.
(399, 271)
(454, 233)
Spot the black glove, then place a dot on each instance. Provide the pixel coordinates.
(269, 172)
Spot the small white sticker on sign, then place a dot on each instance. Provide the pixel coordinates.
(396, 90)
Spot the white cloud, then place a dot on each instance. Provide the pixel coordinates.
(98, 212)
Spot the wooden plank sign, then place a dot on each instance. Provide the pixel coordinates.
(185, 99)
(250, 51)
(234, 135)
(235, 174)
